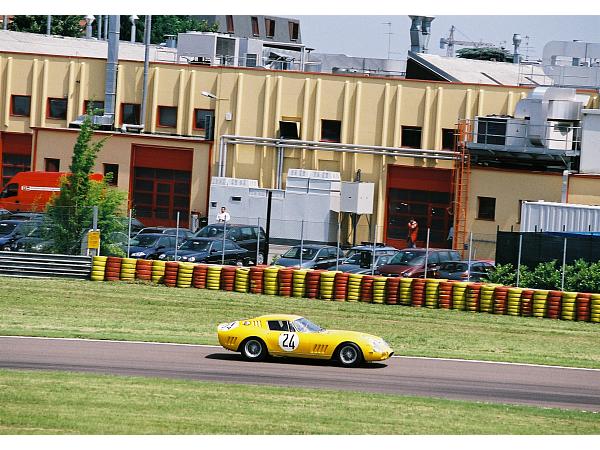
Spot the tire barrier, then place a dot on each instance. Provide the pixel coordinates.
(213, 277)
(242, 280)
(185, 275)
(98, 268)
(379, 284)
(472, 297)
(285, 279)
(366, 289)
(513, 301)
(405, 291)
(567, 310)
(113, 269)
(595, 308)
(432, 286)
(158, 271)
(171, 270)
(256, 279)
(354, 284)
(527, 302)
(391, 290)
(143, 270)
(270, 284)
(340, 286)
(227, 278)
(583, 303)
(299, 282)
(199, 276)
(486, 298)
(500, 300)
(554, 305)
(313, 277)
(540, 302)
(445, 294)
(417, 292)
(459, 295)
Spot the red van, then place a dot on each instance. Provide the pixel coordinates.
(31, 191)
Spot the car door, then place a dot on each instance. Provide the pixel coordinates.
(281, 340)
(215, 252)
(233, 253)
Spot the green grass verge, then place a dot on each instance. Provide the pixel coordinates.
(66, 308)
(69, 403)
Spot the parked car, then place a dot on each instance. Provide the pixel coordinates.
(457, 270)
(209, 250)
(36, 241)
(313, 256)
(358, 259)
(182, 233)
(11, 230)
(410, 262)
(4, 214)
(136, 225)
(246, 236)
(27, 216)
(149, 245)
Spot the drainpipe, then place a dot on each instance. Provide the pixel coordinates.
(5, 22)
(565, 187)
(105, 27)
(147, 34)
(110, 87)
(99, 24)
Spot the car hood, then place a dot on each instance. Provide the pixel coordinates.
(349, 335)
(187, 253)
(290, 262)
(395, 268)
(137, 249)
(348, 268)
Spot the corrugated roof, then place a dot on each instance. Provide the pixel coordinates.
(482, 72)
(14, 41)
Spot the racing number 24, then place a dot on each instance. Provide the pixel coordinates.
(289, 341)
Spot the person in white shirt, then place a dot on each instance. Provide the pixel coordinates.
(223, 216)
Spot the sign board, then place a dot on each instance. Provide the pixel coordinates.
(93, 239)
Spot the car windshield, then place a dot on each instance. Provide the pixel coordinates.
(294, 253)
(196, 246)
(210, 231)
(306, 326)
(144, 240)
(407, 257)
(7, 228)
(354, 259)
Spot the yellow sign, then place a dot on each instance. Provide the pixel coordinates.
(94, 239)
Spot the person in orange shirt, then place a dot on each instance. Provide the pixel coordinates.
(413, 231)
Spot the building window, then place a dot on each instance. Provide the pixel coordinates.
(269, 27)
(229, 24)
(331, 130)
(57, 108)
(255, 30)
(486, 208)
(167, 116)
(130, 113)
(20, 105)
(95, 106)
(204, 121)
(294, 30)
(52, 164)
(411, 137)
(289, 129)
(111, 173)
(448, 138)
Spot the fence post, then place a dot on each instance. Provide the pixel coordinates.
(519, 260)
(564, 261)
(176, 238)
(426, 253)
(470, 256)
(223, 249)
(129, 234)
(301, 241)
(337, 254)
(258, 241)
(373, 254)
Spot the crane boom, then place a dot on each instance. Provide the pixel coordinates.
(451, 42)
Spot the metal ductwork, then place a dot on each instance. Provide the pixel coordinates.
(516, 44)
(110, 87)
(420, 32)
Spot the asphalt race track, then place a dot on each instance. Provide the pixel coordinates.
(452, 379)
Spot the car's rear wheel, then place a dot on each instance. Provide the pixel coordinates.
(349, 355)
(254, 349)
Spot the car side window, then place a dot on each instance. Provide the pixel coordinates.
(230, 246)
(434, 258)
(217, 245)
(234, 234)
(455, 256)
(247, 233)
(444, 256)
(278, 325)
(163, 241)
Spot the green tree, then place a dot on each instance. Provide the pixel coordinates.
(61, 25)
(70, 212)
(485, 54)
(162, 25)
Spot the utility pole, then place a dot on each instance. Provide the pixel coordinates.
(389, 33)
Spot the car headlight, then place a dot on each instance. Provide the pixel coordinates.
(37, 247)
(378, 345)
(139, 254)
(191, 258)
(162, 256)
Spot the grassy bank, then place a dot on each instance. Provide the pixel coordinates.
(64, 308)
(68, 403)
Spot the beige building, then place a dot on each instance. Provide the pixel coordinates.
(168, 168)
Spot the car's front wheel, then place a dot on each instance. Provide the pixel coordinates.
(349, 355)
(254, 349)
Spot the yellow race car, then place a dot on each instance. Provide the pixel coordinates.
(295, 336)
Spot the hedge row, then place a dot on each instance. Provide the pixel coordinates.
(338, 286)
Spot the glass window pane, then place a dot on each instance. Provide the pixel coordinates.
(21, 105)
(167, 116)
(57, 108)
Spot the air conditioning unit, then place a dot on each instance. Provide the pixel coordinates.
(491, 130)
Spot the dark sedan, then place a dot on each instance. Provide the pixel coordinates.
(11, 230)
(458, 270)
(313, 256)
(149, 246)
(207, 250)
(358, 259)
(410, 262)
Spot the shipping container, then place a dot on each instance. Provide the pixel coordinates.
(549, 216)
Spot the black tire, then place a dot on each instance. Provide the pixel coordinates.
(254, 349)
(349, 355)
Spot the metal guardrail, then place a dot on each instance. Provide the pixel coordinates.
(19, 264)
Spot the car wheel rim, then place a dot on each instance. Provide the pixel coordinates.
(348, 355)
(253, 349)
